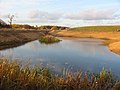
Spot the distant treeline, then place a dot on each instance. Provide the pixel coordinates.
(20, 26)
(26, 26)
(52, 27)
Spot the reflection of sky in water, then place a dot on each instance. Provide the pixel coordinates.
(88, 54)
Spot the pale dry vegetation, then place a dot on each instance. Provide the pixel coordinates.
(14, 76)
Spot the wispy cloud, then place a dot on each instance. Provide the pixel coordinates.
(92, 14)
(64, 12)
(44, 16)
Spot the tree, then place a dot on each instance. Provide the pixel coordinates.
(10, 17)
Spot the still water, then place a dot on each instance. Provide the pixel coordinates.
(86, 53)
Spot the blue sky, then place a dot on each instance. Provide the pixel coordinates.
(62, 12)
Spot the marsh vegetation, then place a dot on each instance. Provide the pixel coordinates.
(14, 76)
(48, 39)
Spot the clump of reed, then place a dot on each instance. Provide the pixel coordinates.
(13, 76)
(48, 39)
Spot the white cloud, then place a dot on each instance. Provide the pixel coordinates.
(5, 15)
(50, 15)
(92, 14)
(117, 16)
(44, 16)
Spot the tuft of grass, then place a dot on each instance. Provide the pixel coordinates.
(13, 76)
(48, 39)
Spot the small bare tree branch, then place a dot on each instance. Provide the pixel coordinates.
(10, 17)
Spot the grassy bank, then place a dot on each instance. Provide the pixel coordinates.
(97, 29)
(12, 38)
(110, 35)
(14, 76)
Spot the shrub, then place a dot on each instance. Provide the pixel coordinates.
(48, 39)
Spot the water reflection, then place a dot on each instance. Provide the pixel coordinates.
(88, 54)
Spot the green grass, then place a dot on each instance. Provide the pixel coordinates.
(14, 76)
(48, 39)
(97, 28)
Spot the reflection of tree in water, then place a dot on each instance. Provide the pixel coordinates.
(36, 45)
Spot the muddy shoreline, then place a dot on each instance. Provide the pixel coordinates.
(9, 39)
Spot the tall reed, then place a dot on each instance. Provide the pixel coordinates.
(13, 76)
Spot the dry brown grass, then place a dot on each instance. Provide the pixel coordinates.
(13, 38)
(102, 35)
(115, 47)
(14, 76)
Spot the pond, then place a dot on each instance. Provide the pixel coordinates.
(87, 54)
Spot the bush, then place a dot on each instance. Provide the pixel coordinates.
(48, 39)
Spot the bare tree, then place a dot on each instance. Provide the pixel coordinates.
(10, 17)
